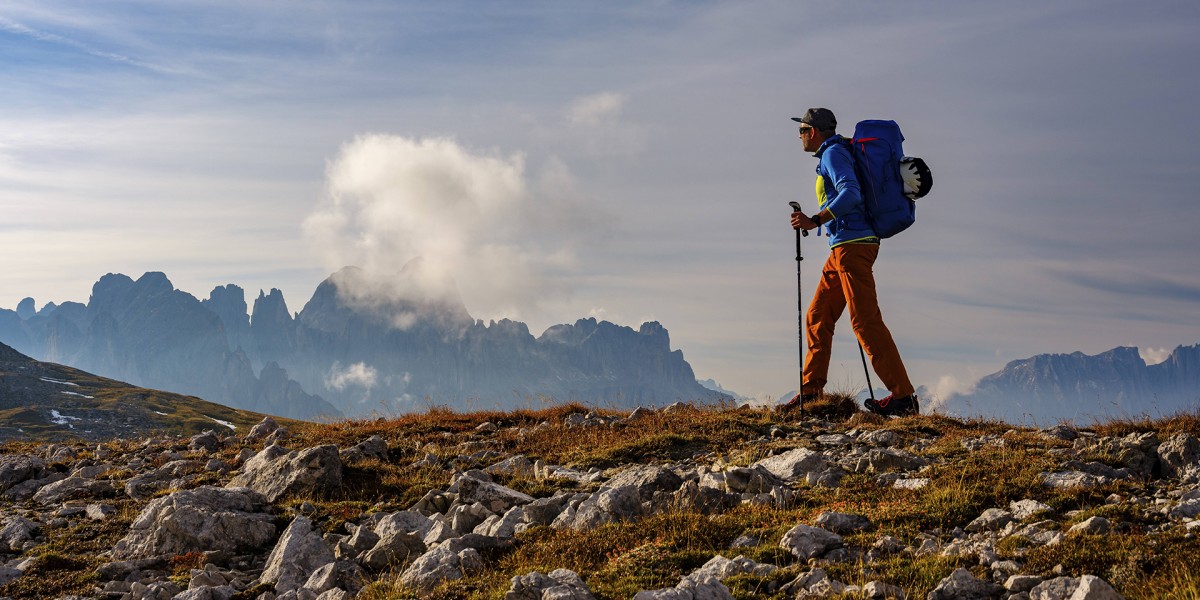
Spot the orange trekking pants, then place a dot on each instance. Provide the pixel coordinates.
(848, 281)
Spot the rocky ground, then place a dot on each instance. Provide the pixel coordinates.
(570, 503)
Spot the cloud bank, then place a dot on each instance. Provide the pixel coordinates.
(479, 223)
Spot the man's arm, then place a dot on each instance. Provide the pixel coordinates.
(840, 166)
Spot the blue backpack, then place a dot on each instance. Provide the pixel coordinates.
(881, 169)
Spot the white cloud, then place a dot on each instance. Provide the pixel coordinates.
(1153, 356)
(596, 109)
(480, 225)
(358, 374)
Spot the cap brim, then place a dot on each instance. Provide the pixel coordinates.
(799, 120)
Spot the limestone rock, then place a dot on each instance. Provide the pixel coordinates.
(605, 506)
(806, 542)
(394, 548)
(343, 575)
(372, 447)
(648, 479)
(448, 560)
(797, 463)
(1024, 509)
(839, 522)
(204, 519)
(961, 584)
(560, 584)
(16, 532)
(299, 552)
(275, 476)
(1092, 526)
(495, 497)
(1179, 456)
(992, 519)
(16, 468)
(73, 488)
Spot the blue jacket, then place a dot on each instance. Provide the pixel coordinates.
(835, 172)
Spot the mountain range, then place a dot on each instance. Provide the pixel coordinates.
(349, 352)
(1085, 388)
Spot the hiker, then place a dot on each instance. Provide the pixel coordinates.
(846, 277)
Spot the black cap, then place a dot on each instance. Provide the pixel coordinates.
(821, 119)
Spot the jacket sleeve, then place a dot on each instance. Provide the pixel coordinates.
(839, 167)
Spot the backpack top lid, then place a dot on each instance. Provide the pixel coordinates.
(880, 130)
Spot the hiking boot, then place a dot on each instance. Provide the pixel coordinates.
(796, 403)
(894, 407)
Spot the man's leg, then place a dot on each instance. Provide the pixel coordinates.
(823, 312)
(855, 264)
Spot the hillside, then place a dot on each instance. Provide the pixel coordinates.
(573, 503)
(45, 401)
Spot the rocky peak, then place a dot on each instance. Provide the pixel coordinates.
(25, 308)
(229, 303)
(270, 310)
(353, 298)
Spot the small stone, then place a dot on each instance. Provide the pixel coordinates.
(1092, 526)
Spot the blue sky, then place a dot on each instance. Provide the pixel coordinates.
(650, 158)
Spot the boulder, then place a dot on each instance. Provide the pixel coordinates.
(373, 447)
(261, 431)
(706, 588)
(276, 475)
(722, 568)
(1092, 526)
(342, 575)
(405, 521)
(1094, 588)
(806, 542)
(961, 584)
(394, 549)
(16, 468)
(605, 506)
(992, 519)
(502, 526)
(299, 552)
(16, 532)
(1179, 456)
(206, 442)
(796, 463)
(560, 584)
(1059, 588)
(447, 561)
(73, 488)
(1024, 509)
(493, 496)
(839, 522)
(648, 479)
(204, 519)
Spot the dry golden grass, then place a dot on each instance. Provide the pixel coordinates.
(619, 559)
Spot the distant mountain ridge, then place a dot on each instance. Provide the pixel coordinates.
(346, 355)
(1082, 388)
(46, 402)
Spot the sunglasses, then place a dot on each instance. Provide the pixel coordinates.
(804, 130)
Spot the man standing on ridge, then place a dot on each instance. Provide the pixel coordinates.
(847, 280)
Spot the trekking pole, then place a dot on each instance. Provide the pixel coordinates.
(870, 386)
(799, 302)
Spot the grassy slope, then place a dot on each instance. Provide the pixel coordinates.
(619, 559)
(144, 410)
